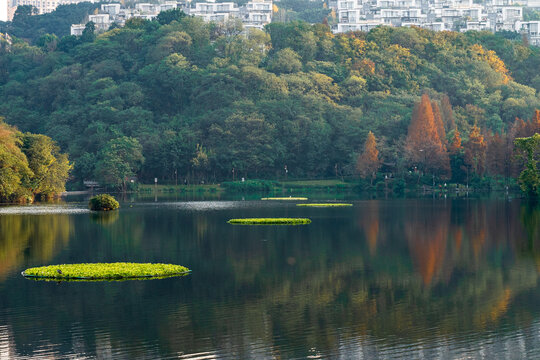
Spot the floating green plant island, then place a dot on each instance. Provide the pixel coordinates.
(285, 198)
(270, 221)
(325, 205)
(103, 202)
(105, 271)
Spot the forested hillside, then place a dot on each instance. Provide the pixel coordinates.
(167, 97)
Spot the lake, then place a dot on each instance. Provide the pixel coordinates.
(402, 278)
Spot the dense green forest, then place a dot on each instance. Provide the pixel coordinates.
(180, 97)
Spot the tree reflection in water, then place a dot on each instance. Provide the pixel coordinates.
(31, 238)
(390, 273)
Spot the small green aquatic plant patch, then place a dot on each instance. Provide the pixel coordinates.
(270, 221)
(105, 271)
(285, 198)
(103, 202)
(325, 205)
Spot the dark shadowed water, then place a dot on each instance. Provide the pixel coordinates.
(433, 279)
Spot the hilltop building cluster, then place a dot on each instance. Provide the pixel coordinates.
(438, 15)
(254, 14)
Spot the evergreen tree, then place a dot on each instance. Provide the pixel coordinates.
(529, 179)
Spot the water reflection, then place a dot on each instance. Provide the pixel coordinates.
(31, 238)
(396, 278)
(105, 217)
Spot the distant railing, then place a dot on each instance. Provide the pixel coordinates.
(90, 183)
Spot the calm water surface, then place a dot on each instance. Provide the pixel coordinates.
(448, 279)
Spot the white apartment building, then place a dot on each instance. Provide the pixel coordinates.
(477, 26)
(435, 26)
(531, 29)
(111, 9)
(77, 29)
(396, 17)
(4, 10)
(451, 16)
(46, 6)
(169, 5)
(218, 12)
(101, 22)
(505, 17)
(358, 25)
(462, 15)
(146, 8)
(533, 4)
(256, 13)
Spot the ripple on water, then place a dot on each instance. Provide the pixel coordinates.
(42, 210)
(212, 205)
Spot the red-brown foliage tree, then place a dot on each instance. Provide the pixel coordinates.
(475, 151)
(423, 145)
(368, 162)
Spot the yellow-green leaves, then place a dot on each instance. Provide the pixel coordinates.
(105, 271)
(270, 221)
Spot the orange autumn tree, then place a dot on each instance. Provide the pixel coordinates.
(497, 157)
(439, 123)
(534, 125)
(456, 153)
(447, 113)
(455, 145)
(423, 146)
(368, 162)
(475, 151)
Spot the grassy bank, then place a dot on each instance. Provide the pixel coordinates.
(251, 186)
(212, 188)
(398, 186)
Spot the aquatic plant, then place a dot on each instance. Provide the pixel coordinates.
(325, 205)
(105, 271)
(103, 202)
(285, 198)
(270, 221)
